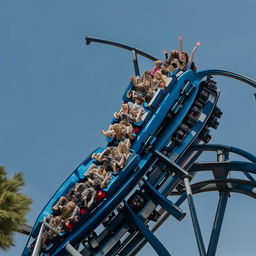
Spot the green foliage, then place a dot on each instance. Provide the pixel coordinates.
(13, 207)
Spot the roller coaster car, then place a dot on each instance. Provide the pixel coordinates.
(177, 116)
(76, 177)
(159, 174)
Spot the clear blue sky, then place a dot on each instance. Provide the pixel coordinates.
(56, 94)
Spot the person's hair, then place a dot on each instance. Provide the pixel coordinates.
(102, 170)
(174, 55)
(133, 80)
(186, 55)
(72, 204)
(158, 63)
(123, 149)
(117, 131)
(147, 76)
(167, 63)
(146, 73)
(159, 73)
(176, 63)
(107, 150)
(125, 107)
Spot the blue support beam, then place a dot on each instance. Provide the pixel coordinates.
(199, 238)
(151, 238)
(135, 63)
(249, 176)
(217, 224)
(160, 199)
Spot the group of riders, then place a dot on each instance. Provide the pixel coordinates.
(85, 195)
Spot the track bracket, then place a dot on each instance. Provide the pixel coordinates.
(144, 230)
(172, 165)
(168, 205)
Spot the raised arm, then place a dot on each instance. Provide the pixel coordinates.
(193, 52)
(180, 49)
(165, 54)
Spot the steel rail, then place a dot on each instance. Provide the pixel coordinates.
(89, 40)
(219, 72)
(215, 147)
(225, 166)
(231, 185)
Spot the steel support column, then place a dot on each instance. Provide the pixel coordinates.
(199, 238)
(222, 156)
(135, 63)
(217, 224)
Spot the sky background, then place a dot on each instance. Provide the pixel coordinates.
(57, 94)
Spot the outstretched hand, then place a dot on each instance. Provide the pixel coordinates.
(198, 43)
(180, 38)
(164, 51)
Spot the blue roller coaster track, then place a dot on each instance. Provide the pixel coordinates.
(174, 132)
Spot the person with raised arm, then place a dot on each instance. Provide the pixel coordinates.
(183, 56)
(174, 60)
(165, 54)
(187, 62)
(174, 54)
(190, 60)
